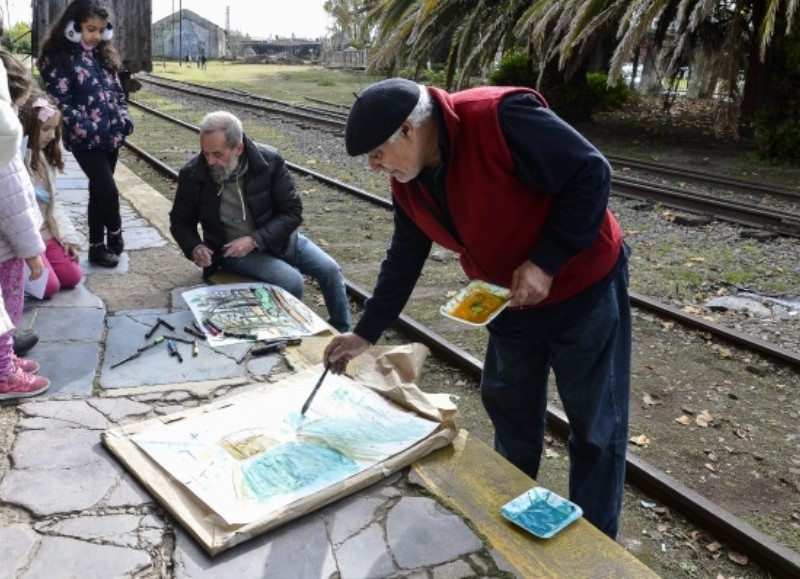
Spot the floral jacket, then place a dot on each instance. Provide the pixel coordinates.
(91, 100)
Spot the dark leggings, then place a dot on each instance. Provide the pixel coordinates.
(103, 194)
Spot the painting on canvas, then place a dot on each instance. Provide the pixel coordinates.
(247, 461)
(251, 311)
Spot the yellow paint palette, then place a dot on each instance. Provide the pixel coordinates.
(476, 304)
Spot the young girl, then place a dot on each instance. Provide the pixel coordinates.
(20, 241)
(41, 123)
(80, 67)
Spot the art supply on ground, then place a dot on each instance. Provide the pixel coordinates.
(195, 350)
(173, 350)
(240, 335)
(210, 328)
(152, 331)
(179, 339)
(198, 327)
(216, 327)
(128, 359)
(314, 391)
(155, 342)
(159, 322)
(196, 333)
(268, 349)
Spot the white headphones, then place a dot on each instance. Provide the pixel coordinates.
(73, 33)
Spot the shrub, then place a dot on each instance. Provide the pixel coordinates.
(515, 69)
(609, 98)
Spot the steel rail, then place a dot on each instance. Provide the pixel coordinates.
(334, 123)
(747, 214)
(779, 222)
(707, 176)
(682, 171)
(773, 556)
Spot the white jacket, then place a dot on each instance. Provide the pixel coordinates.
(10, 129)
(10, 138)
(56, 218)
(20, 218)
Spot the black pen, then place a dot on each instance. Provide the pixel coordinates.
(128, 359)
(267, 349)
(240, 336)
(193, 332)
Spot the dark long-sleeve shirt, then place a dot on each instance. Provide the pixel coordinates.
(550, 156)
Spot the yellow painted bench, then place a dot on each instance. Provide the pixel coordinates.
(475, 481)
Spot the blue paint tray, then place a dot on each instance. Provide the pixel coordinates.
(541, 512)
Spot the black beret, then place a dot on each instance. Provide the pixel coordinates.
(378, 112)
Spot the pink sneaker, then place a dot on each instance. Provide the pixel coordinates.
(26, 365)
(20, 384)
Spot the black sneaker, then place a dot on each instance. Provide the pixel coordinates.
(115, 242)
(24, 341)
(100, 255)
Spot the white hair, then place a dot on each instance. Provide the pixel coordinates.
(226, 122)
(421, 112)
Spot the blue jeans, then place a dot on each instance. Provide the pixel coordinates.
(312, 261)
(590, 358)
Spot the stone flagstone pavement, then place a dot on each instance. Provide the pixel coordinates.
(69, 509)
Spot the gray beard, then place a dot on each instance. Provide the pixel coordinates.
(221, 174)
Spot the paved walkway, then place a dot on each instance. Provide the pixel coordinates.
(69, 509)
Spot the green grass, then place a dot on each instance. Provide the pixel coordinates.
(276, 81)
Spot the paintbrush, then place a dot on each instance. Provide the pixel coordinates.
(313, 392)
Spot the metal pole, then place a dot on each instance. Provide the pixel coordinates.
(180, 32)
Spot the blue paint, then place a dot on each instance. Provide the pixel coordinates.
(293, 466)
(541, 512)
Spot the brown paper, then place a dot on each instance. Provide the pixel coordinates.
(389, 373)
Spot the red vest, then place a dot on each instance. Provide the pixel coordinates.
(498, 217)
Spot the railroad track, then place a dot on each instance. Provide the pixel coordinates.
(748, 211)
(734, 531)
(712, 180)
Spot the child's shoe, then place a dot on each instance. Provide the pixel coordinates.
(115, 243)
(26, 365)
(20, 384)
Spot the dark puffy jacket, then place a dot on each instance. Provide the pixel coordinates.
(92, 102)
(268, 191)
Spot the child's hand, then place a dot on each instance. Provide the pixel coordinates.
(71, 251)
(36, 267)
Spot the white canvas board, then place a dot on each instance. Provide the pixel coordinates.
(248, 462)
(35, 288)
(252, 311)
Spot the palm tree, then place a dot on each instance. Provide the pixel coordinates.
(567, 33)
(469, 32)
(737, 33)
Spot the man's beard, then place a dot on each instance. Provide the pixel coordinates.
(220, 174)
